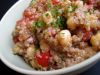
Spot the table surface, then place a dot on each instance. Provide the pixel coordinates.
(4, 6)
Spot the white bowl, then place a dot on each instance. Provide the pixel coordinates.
(15, 62)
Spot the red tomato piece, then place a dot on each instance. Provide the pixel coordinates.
(86, 35)
(87, 6)
(42, 1)
(28, 12)
(55, 2)
(73, 0)
(43, 59)
(50, 32)
(24, 20)
(16, 39)
(32, 19)
(92, 2)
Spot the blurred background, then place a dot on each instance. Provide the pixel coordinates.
(4, 7)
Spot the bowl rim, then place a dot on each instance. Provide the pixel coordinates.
(59, 71)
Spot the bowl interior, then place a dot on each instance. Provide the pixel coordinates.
(15, 62)
(6, 27)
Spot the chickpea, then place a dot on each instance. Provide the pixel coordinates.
(95, 40)
(93, 23)
(90, 51)
(44, 46)
(64, 37)
(79, 3)
(30, 51)
(34, 63)
(47, 17)
(16, 48)
(71, 24)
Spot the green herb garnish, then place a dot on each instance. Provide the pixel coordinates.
(41, 67)
(49, 65)
(58, 21)
(32, 3)
(48, 6)
(49, 2)
(36, 48)
(75, 7)
(47, 14)
(62, 57)
(38, 23)
(68, 6)
(89, 11)
(33, 27)
(36, 7)
(94, 8)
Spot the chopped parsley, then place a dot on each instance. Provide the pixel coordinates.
(69, 28)
(62, 57)
(94, 8)
(89, 11)
(49, 2)
(57, 12)
(38, 23)
(48, 6)
(75, 7)
(32, 3)
(68, 6)
(49, 61)
(60, 33)
(33, 27)
(36, 7)
(41, 67)
(58, 21)
(49, 65)
(14, 53)
(47, 14)
(62, 22)
(70, 11)
(36, 48)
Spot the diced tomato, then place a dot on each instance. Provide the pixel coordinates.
(16, 39)
(55, 2)
(42, 1)
(29, 12)
(92, 2)
(73, 0)
(43, 59)
(86, 35)
(32, 19)
(38, 4)
(51, 32)
(23, 37)
(87, 6)
(24, 20)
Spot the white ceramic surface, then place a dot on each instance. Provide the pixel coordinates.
(15, 62)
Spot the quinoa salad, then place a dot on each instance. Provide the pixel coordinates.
(55, 34)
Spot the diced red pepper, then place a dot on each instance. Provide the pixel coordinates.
(32, 19)
(86, 35)
(16, 39)
(43, 59)
(42, 1)
(73, 0)
(92, 2)
(87, 6)
(28, 12)
(50, 31)
(24, 20)
(55, 2)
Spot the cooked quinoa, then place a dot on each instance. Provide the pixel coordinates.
(55, 34)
